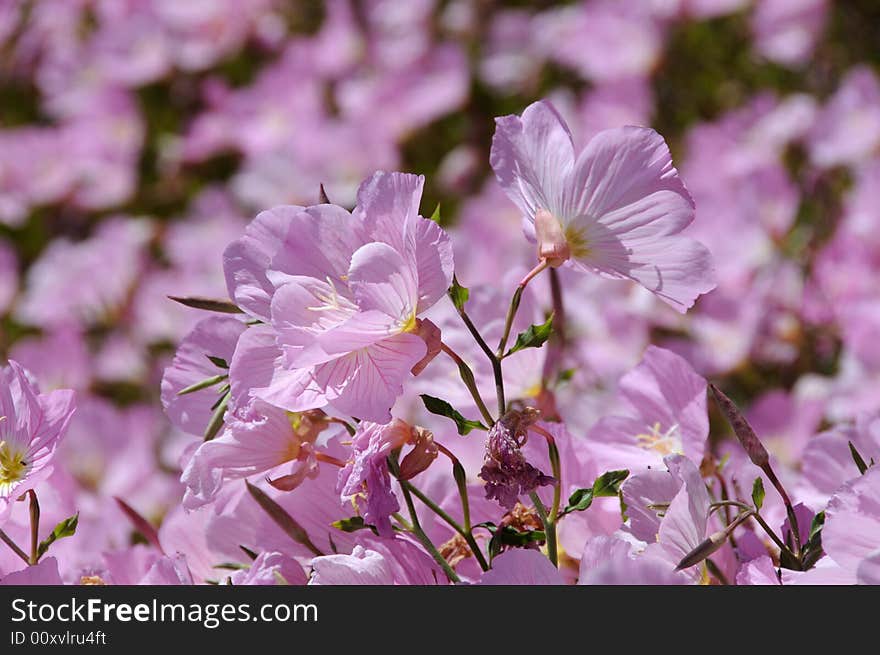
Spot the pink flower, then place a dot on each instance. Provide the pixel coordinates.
(212, 337)
(44, 573)
(521, 566)
(31, 425)
(378, 561)
(665, 403)
(610, 561)
(367, 475)
(8, 276)
(342, 293)
(271, 569)
(847, 129)
(851, 535)
(616, 209)
(786, 31)
(257, 440)
(669, 510)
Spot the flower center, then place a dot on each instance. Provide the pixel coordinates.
(329, 299)
(13, 466)
(664, 443)
(577, 242)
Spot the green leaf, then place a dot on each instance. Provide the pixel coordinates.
(436, 215)
(219, 362)
(352, 524)
(533, 337)
(566, 375)
(579, 501)
(281, 518)
(208, 304)
(217, 417)
(66, 528)
(606, 485)
(510, 537)
(443, 408)
(857, 458)
(812, 551)
(458, 294)
(204, 384)
(758, 493)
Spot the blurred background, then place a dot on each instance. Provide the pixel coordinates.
(138, 137)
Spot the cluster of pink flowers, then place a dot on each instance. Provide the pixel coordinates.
(501, 372)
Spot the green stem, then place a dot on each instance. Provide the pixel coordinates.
(493, 359)
(549, 528)
(789, 509)
(780, 544)
(514, 306)
(417, 528)
(467, 376)
(455, 525)
(18, 551)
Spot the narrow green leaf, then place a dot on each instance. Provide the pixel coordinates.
(533, 337)
(219, 362)
(65, 528)
(208, 304)
(758, 493)
(204, 384)
(443, 408)
(436, 215)
(857, 458)
(282, 519)
(458, 294)
(352, 524)
(216, 421)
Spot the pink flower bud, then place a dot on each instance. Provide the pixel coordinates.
(552, 244)
(741, 428)
(424, 452)
(430, 333)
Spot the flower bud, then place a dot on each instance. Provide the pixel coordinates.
(552, 244)
(741, 428)
(430, 334)
(705, 548)
(424, 452)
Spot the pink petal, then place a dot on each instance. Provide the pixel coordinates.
(532, 158)
(521, 566)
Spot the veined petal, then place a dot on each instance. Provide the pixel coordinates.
(435, 262)
(382, 280)
(318, 243)
(388, 205)
(625, 179)
(245, 261)
(367, 382)
(677, 269)
(532, 157)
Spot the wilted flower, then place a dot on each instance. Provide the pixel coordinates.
(505, 470)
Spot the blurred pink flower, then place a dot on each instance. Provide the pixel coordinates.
(786, 31)
(847, 130)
